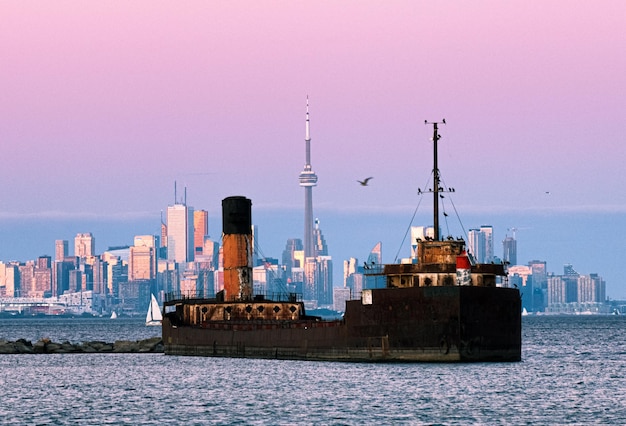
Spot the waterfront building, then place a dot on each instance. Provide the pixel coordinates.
(9, 279)
(576, 293)
(591, 289)
(84, 245)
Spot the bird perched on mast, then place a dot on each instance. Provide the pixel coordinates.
(364, 182)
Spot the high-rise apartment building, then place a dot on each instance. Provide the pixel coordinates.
(180, 244)
(200, 229)
(42, 277)
(487, 231)
(324, 280)
(84, 245)
(9, 279)
(480, 244)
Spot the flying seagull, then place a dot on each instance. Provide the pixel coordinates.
(364, 182)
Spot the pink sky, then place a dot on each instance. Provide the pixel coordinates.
(104, 104)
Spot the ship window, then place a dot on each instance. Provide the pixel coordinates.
(428, 281)
(276, 309)
(260, 308)
(293, 309)
(248, 309)
(204, 309)
(229, 309)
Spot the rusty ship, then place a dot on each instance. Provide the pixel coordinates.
(444, 307)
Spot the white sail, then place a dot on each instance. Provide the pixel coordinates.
(154, 316)
(113, 315)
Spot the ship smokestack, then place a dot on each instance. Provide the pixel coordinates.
(237, 245)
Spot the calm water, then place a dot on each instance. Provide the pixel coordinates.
(573, 372)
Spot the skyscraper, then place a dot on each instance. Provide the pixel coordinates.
(376, 255)
(200, 229)
(509, 246)
(487, 231)
(142, 258)
(308, 179)
(480, 243)
(60, 250)
(180, 246)
(84, 245)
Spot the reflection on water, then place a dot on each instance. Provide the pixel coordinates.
(573, 372)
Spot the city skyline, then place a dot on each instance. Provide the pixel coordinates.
(105, 105)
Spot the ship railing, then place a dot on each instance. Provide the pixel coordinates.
(185, 295)
(274, 296)
(373, 269)
(278, 297)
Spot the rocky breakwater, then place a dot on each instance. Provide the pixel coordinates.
(46, 346)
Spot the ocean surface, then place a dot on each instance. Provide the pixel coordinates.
(573, 372)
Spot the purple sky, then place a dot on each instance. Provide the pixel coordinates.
(103, 105)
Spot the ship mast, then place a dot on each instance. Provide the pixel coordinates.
(436, 179)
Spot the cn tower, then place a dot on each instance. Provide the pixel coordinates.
(308, 179)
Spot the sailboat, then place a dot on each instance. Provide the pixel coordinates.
(154, 316)
(113, 315)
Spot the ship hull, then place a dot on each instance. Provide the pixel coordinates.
(417, 324)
